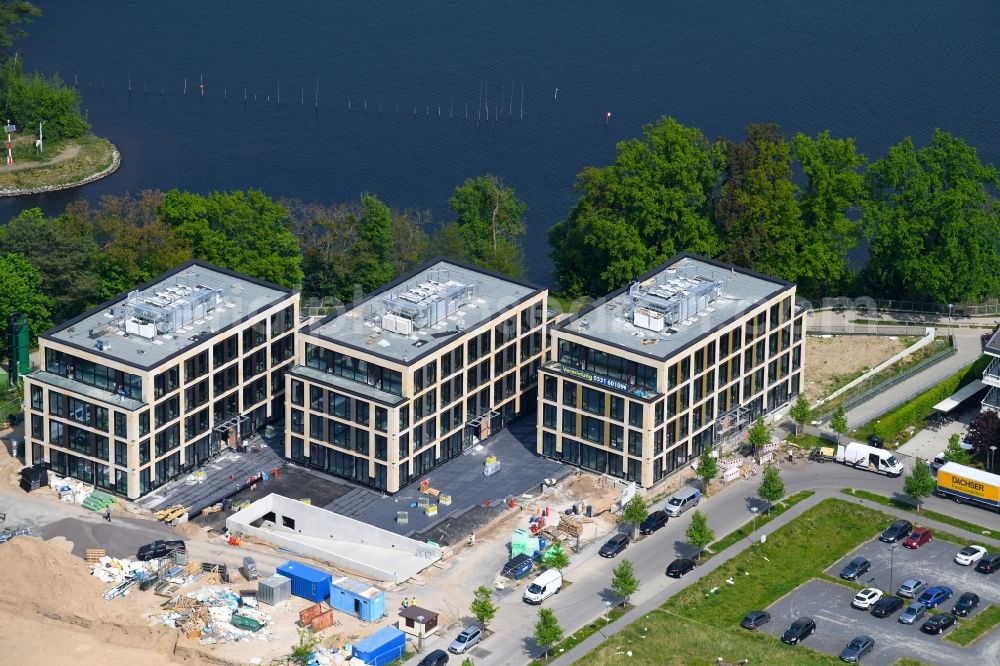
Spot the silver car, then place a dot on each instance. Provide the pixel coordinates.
(913, 613)
(469, 637)
(911, 588)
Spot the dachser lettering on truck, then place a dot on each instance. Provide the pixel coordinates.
(968, 486)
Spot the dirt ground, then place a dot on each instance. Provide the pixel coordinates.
(831, 360)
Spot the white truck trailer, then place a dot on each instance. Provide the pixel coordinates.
(868, 457)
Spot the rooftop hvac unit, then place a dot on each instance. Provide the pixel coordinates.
(397, 324)
(103, 345)
(648, 319)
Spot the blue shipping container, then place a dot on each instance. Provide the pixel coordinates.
(384, 646)
(307, 582)
(353, 597)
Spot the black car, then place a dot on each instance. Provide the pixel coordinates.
(898, 531)
(989, 563)
(797, 631)
(886, 606)
(653, 522)
(754, 620)
(856, 568)
(615, 545)
(857, 648)
(965, 604)
(158, 549)
(436, 658)
(679, 567)
(937, 623)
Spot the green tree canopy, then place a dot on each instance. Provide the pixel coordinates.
(830, 204)
(758, 206)
(759, 434)
(698, 533)
(800, 411)
(623, 580)
(489, 219)
(635, 512)
(984, 432)
(547, 630)
(31, 98)
(933, 223)
(242, 231)
(654, 201)
(955, 453)
(482, 607)
(707, 468)
(839, 422)
(14, 13)
(772, 488)
(919, 483)
(556, 556)
(65, 254)
(373, 253)
(21, 291)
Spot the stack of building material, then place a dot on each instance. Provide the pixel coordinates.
(98, 501)
(519, 543)
(492, 466)
(570, 524)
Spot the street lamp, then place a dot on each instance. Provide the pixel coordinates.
(950, 306)
(754, 509)
(892, 564)
(420, 636)
(993, 452)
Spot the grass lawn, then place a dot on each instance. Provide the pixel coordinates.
(761, 575)
(582, 634)
(745, 531)
(970, 630)
(809, 442)
(95, 155)
(929, 515)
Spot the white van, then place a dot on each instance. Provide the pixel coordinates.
(543, 587)
(681, 501)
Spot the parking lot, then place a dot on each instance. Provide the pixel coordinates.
(829, 604)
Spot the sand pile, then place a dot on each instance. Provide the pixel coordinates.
(46, 587)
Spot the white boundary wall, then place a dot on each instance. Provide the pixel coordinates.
(344, 542)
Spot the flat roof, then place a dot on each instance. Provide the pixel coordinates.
(609, 319)
(111, 324)
(960, 396)
(993, 344)
(413, 612)
(361, 326)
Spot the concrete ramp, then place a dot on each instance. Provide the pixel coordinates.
(344, 542)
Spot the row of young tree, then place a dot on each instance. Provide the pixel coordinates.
(793, 208)
(53, 268)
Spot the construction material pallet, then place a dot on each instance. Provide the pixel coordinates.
(97, 501)
(165, 589)
(171, 513)
(95, 554)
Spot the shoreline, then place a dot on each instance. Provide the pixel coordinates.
(26, 191)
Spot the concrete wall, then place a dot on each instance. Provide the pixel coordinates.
(344, 542)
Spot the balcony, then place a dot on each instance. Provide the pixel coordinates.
(991, 375)
(992, 401)
(606, 382)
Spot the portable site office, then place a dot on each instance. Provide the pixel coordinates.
(356, 598)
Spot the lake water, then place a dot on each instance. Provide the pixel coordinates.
(873, 70)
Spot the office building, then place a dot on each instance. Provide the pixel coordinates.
(637, 384)
(414, 373)
(152, 384)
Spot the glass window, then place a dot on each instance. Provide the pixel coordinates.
(569, 394)
(36, 397)
(549, 416)
(569, 422)
(121, 425)
(37, 426)
(593, 429)
(593, 400)
(381, 419)
(297, 392)
(635, 414)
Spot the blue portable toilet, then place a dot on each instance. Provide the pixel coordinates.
(307, 582)
(358, 599)
(384, 646)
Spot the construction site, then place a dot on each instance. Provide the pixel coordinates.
(240, 595)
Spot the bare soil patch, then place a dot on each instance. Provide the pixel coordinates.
(832, 362)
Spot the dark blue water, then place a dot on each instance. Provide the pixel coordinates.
(873, 70)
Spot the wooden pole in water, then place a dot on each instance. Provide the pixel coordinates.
(487, 95)
(145, 90)
(201, 84)
(185, 86)
(225, 95)
(302, 92)
(130, 82)
(501, 103)
(522, 100)
(451, 107)
(317, 92)
(466, 110)
(279, 91)
(244, 95)
(510, 102)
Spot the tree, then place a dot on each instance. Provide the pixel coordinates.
(758, 207)
(919, 483)
(242, 231)
(308, 642)
(373, 252)
(654, 201)
(556, 556)
(64, 254)
(489, 218)
(482, 607)
(21, 291)
(772, 487)
(984, 432)
(468, 662)
(839, 422)
(800, 412)
(635, 512)
(759, 435)
(12, 14)
(623, 581)
(707, 468)
(547, 631)
(699, 534)
(31, 98)
(955, 453)
(830, 203)
(932, 223)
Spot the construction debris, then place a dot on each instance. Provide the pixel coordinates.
(215, 615)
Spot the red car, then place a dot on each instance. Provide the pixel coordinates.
(917, 538)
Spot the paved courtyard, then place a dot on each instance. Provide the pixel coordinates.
(521, 471)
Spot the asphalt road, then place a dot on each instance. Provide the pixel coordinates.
(727, 510)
